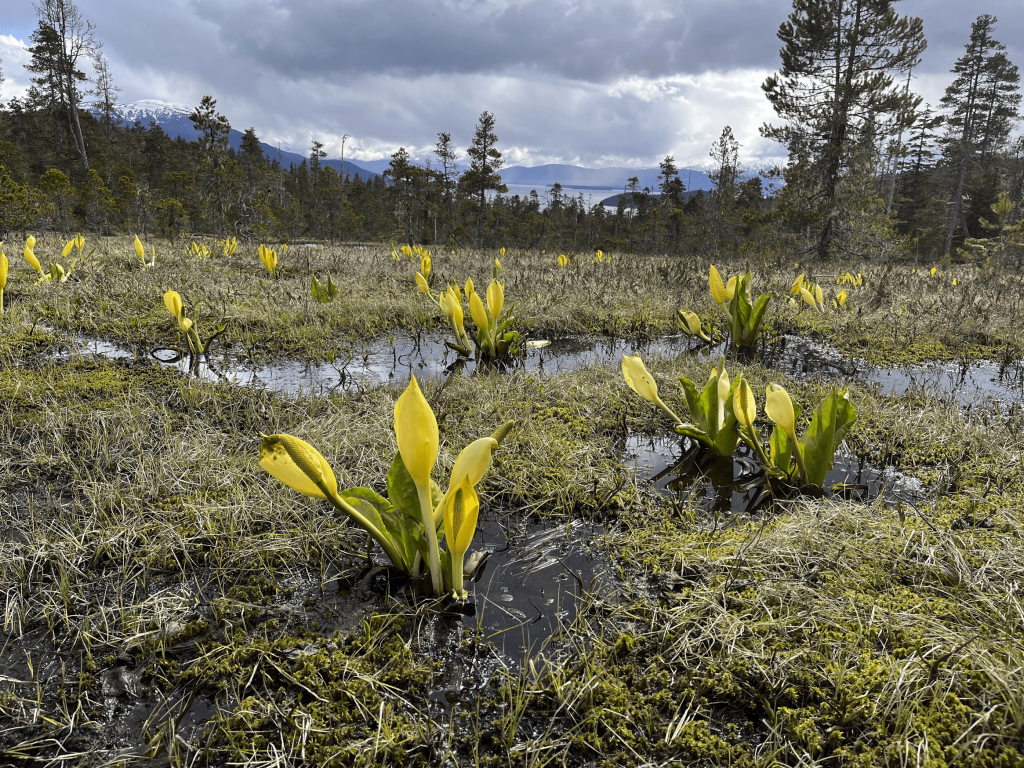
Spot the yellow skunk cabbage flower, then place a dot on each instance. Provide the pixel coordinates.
(394, 255)
(461, 512)
(692, 325)
(172, 300)
(469, 286)
(717, 287)
(933, 271)
(269, 258)
(418, 442)
(797, 285)
(502, 253)
(477, 311)
(422, 284)
(67, 248)
(298, 465)
(600, 255)
(744, 405)
(30, 255)
(4, 266)
(808, 298)
(563, 260)
(721, 377)
(730, 288)
(955, 282)
(455, 302)
(841, 298)
(819, 297)
(425, 265)
(407, 251)
(779, 408)
(640, 381)
(416, 431)
(497, 264)
(495, 298)
(474, 460)
(79, 242)
(139, 250)
(460, 506)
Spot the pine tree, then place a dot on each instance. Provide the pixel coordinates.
(448, 176)
(981, 105)
(74, 39)
(838, 60)
(105, 92)
(213, 131)
(484, 163)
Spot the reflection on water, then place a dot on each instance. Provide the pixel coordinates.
(692, 478)
(528, 590)
(395, 359)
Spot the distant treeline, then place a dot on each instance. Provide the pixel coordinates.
(871, 172)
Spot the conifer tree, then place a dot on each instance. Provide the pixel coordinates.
(484, 163)
(837, 79)
(981, 104)
(71, 38)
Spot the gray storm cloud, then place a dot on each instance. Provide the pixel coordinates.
(590, 82)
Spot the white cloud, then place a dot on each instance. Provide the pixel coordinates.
(590, 82)
(15, 56)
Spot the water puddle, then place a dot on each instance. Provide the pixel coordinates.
(678, 471)
(523, 602)
(965, 383)
(389, 361)
(395, 359)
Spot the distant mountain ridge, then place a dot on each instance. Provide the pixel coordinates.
(575, 177)
(174, 120)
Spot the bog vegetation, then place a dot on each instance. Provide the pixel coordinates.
(196, 572)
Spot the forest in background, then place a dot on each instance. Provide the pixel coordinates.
(872, 171)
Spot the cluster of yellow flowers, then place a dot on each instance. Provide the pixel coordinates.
(810, 292)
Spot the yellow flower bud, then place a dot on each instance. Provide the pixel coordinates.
(417, 434)
(716, 286)
(743, 404)
(495, 298)
(298, 465)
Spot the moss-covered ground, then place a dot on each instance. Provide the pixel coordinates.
(166, 602)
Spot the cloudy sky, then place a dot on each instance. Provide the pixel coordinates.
(587, 82)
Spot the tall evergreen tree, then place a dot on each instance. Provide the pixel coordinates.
(981, 104)
(75, 40)
(837, 78)
(448, 157)
(105, 93)
(484, 163)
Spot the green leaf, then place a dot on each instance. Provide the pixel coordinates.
(402, 490)
(756, 321)
(728, 437)
(378, 511)
(695, 433)
(830, 423)
(693, 403)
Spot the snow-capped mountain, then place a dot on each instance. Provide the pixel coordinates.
(152, 110)
(174, 120)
